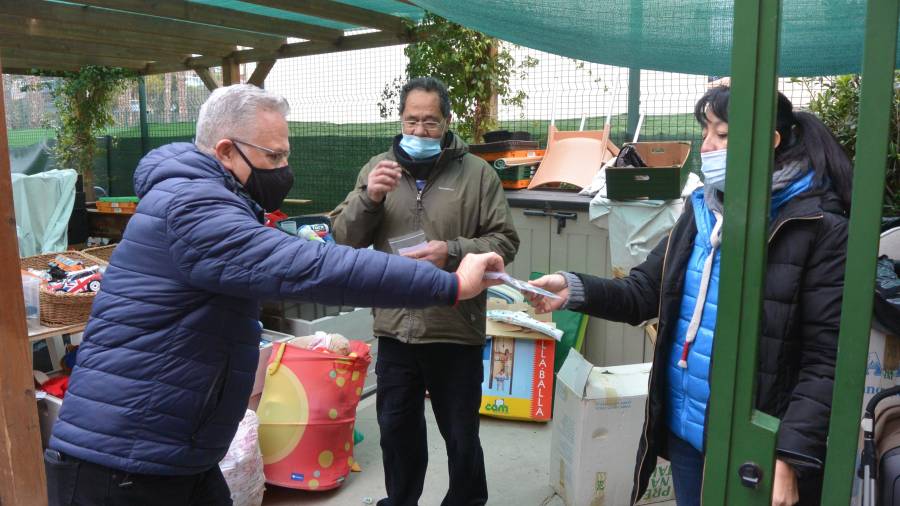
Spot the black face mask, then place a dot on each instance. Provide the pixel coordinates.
(268, 187)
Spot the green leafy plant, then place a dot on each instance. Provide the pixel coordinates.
(836, 102)
(83, 103)
(475, 67)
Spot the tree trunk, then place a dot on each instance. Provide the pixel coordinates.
(182, 96)
(167, 98)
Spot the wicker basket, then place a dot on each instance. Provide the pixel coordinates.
(101, 252)
(61, 309)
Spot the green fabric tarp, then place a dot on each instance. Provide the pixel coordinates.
(818, 37)
(43, 204)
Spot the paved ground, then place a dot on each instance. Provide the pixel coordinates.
(517, 456)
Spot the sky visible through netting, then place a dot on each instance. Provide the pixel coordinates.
(335, 122)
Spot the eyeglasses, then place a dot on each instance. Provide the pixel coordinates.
(430, 126)
(275, 157)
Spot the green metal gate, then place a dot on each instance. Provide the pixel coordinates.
(739, 434)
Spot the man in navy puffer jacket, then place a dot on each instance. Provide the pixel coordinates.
(168, 359)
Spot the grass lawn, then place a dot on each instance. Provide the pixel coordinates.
(677, 126)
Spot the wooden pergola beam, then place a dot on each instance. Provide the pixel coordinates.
(258, 77)
(206, 76)
(27, 71)
(39, 59)
(24, 67)
(231, 72)
(22, 479)
(87, 16)
(347, 43)
(109, 35)
(22, 42)
(328, 9)
(220, 16)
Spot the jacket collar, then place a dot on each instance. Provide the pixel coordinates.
(808, 205)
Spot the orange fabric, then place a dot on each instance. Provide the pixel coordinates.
(56, 386)
(307, 413)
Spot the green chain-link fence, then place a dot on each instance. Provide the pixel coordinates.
(336, 125)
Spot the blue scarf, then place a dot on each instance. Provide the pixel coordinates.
(784, 195)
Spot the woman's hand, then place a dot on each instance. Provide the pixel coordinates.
(555, 283)
(784, 490)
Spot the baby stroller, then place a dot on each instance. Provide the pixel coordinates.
(879, 465)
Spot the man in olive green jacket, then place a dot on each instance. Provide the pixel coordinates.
(429, 183)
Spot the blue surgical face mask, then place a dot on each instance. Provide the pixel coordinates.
(420, 148)
(713, 168)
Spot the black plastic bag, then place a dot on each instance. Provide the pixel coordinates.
(887, 295)
(629, 157)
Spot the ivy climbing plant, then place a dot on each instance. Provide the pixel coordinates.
(83, 101)
(835, 100)
(475, 67)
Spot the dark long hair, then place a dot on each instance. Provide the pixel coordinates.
(803, 137)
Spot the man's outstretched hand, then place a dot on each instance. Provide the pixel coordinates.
(471, 273)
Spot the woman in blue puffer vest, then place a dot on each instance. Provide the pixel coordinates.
(679, 284)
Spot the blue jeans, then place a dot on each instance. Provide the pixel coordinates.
(687, 471)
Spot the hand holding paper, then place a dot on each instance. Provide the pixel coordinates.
(554, 283)
(528, 289)
(472, 273)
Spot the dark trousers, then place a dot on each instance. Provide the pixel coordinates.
(687, 476)
(74, 482)
(687, 471)
(452, 374)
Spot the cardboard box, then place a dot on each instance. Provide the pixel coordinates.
(597, 421)
(518, 369)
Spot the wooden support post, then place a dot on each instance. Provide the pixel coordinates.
(258, 77)
(231, 72)
(21, 464)
(207, 78)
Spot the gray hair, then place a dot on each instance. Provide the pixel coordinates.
(428, 84)
(231, 111)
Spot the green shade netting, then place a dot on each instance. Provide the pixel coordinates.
(818, 37)
(392, 7)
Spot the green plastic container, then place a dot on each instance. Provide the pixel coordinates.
(660, 180)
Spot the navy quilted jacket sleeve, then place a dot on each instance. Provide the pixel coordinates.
(218, 246)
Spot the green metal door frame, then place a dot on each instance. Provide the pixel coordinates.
(876, 97)
(738, 434)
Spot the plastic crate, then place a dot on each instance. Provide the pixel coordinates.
(292, 224)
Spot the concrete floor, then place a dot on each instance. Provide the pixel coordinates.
(516, 455)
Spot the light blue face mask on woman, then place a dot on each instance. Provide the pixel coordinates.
(420, 148)
(713, 168)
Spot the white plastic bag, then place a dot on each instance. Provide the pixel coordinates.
(243, 464)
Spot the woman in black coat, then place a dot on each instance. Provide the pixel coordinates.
(678, 283)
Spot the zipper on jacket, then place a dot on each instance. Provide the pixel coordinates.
(662, 278)
(214, 394)
(803, 218)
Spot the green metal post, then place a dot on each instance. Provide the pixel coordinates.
(108, 143)
(145, 131)
(634, 101)
(876, 95)
(737, 433)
